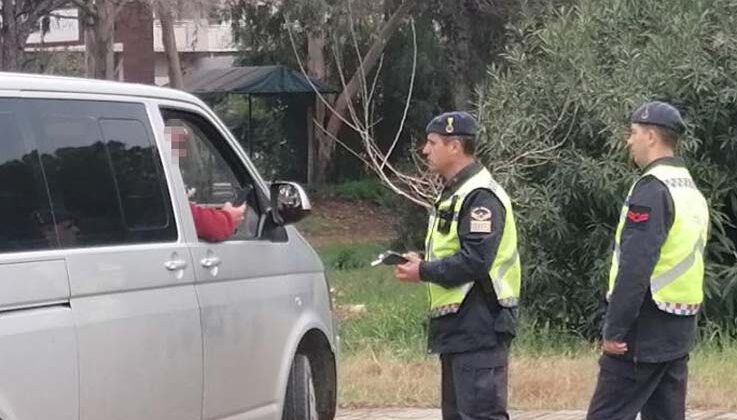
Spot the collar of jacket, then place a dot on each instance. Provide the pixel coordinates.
(668, 160)
(452, 185)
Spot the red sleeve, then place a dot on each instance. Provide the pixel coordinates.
(212, 225)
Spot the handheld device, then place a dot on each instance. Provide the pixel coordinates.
(242, 195)
(389, 258)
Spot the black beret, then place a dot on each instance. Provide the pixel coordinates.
(453, 123)
(660, 114)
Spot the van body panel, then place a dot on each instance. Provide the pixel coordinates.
(140, 355)
(245, 342)
(105, 270)
(28, 284)
(38, 347)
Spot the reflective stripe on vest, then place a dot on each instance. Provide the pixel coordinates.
(442, 241)
(678, 277)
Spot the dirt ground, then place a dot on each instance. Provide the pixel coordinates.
(337, 221)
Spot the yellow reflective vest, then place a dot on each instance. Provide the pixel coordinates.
(443, 241)
(677, 281)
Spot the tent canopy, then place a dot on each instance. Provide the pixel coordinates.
(258, 80)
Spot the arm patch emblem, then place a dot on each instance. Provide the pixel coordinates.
(480, 220)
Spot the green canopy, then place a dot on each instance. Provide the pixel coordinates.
(260, 81)
(256, 80)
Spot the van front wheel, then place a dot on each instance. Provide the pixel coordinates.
(300, 402)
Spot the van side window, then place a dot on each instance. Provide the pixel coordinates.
(212, 173)
(103, 171)
(25, 222)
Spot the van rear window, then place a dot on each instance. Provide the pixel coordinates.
(80, 173)
(103, 171)
(24, 205)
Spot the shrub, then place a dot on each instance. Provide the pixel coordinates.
(569, 84)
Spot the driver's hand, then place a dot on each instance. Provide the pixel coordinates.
(236, 213)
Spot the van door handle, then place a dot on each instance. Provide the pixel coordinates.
(175, 265)
(209, 262)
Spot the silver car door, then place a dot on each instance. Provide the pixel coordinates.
(252, 290)
(131, 279)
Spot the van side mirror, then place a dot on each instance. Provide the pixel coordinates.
(289, 202)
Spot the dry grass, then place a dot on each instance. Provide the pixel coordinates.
(368, 381)
(551, 382)
(713, 378)
(536, 382)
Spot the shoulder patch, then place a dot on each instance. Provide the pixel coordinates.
(480, 220)
(480, 213)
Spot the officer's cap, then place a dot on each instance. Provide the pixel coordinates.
(456, 123)
(660, 114)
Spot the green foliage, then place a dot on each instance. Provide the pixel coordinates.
(277, 143)
(394, 312)
(572, 82)
(410, 225)
(349, 256)
(61, 63)
(366, 189)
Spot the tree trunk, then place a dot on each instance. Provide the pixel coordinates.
(320, 145)
(168, 38)
(10, 46)
(458, 51)
(100, 56)
(349, 91)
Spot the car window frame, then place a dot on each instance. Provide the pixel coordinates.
(208, 116)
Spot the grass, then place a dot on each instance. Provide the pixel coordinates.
(384, 362)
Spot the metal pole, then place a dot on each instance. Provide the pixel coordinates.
(250, 131)
(311, 140)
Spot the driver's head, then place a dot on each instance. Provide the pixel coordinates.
(177, 136)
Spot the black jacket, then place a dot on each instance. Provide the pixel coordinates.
(652, 336)
(480, 322)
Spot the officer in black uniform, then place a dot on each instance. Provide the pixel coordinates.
(473, 343)
(645, 349)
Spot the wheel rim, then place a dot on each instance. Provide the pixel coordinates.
(312, 398)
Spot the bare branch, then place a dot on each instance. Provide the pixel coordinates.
(317, 92)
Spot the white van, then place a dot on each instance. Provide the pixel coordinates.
(111, 307)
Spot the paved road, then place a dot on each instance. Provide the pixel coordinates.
(434, 414)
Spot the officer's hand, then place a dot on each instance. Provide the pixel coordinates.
(614, 347)
(410, 271)
(412, 256)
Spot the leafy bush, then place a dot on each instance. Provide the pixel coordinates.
(278, 141)
(367, 189)
(567, 87)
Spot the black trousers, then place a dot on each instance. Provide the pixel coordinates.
(475, 384)
(656, 390)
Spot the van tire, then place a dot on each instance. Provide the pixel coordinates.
(300, 402)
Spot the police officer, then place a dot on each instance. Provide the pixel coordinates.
(656, 279)
(472, 270)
